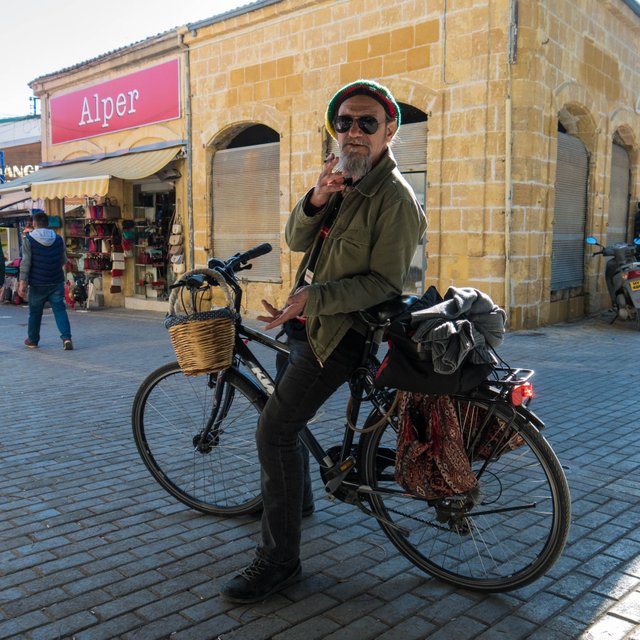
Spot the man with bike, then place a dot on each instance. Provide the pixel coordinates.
(358, 229)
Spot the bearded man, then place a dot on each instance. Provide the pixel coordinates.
(358, 228)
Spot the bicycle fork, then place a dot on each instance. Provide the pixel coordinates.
(209, 437)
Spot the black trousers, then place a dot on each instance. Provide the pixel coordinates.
(303, 387)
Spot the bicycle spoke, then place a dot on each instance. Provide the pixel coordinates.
(213, 468)
(502, 540)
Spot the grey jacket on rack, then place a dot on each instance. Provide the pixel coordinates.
(465, 324)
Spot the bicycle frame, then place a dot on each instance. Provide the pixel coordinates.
(266, 383)
(333, 471)
(202, 450)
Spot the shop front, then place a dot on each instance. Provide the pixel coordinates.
(112, 179)
(116, 216)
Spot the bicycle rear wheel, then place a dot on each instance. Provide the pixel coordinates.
(498, 539)
(214, 470)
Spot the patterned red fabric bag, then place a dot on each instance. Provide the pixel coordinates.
(431, 460)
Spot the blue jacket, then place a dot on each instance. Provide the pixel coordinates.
(43, 258)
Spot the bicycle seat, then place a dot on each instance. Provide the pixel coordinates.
(388, 310)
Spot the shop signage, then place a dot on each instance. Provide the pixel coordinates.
(19, 171)
(140, 98)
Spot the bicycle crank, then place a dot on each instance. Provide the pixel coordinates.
(336, 474)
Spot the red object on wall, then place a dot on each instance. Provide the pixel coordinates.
(139, 98)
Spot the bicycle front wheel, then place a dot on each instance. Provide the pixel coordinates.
(202, 454)
(501, 536)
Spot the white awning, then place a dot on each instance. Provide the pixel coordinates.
(9, 198)
(91, 179)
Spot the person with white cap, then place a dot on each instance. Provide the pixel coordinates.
(358, 229)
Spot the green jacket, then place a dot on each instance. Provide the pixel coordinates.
(365, 257)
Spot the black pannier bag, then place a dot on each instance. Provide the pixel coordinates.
(443, 345)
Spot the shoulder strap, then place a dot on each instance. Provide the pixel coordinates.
(327, 223)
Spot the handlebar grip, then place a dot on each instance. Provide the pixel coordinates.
(235, 263)
(256, 252)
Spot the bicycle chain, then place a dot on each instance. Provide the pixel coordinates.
(419, 519)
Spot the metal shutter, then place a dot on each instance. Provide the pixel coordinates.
(410, 147)
(618, 195)
(567, 258)
(246, 205)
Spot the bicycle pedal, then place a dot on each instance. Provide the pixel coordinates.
(338, 473)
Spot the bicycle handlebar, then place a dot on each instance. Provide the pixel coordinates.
(238, 261)
(226, 268)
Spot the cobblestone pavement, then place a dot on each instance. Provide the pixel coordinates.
(91, 547)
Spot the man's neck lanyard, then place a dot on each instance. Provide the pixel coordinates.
(307, 276)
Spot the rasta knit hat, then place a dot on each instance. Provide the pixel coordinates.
(369, 88)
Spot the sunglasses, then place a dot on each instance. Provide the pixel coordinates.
(367, 124)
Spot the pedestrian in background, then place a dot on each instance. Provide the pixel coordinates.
(2, 269)
(42, 269)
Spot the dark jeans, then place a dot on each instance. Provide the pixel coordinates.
(54, 295)
(300, 392)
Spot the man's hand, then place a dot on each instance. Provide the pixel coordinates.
(294, 307)
(328, 182)
(22, 289)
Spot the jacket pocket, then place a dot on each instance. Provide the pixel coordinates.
(350, 251)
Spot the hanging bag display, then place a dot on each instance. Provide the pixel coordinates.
(116, 285)
(111, 210)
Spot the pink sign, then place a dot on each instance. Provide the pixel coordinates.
(144, 97)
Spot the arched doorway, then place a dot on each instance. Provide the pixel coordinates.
(246, 197)
(619, 192)
(570, 212)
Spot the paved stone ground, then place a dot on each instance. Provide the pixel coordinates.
(91, 547)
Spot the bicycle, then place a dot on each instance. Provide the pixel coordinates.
(196, 437)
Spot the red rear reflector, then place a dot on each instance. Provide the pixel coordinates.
(630, 275)
(520, 393)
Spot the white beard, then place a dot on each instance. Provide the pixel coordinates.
(354, 165)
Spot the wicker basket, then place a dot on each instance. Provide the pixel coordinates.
(202, 335)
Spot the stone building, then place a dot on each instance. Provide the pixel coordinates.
(521, 134)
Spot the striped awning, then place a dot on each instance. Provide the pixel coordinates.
(136, 166)
(11, 198)
(91, 179)
(92, 186)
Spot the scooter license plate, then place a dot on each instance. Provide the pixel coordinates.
(635, 285)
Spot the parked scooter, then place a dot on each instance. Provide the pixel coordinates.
(622, 275)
